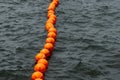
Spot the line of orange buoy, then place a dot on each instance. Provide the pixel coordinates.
(41, 58)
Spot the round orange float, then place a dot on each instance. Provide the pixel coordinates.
(38, 79)
(52, 30)
(40, 67)
(52, 34)
(43, 61)
(46, 52)
(40, 56)
(49, 46)
(49, 25)
(36, 75)
(51, 6)
(50, 12)
(50, 40)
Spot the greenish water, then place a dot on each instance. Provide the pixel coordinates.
(88, 41)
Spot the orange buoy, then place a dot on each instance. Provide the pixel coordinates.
(50, 12)
(49, 25)
(51, 6)
(38, 79)
(46, 52)
(56, 0)
(40, 56)
(40, 67)
(52, 34)
(53, 16)
(56, 3)
(52, 30)
(49, 46)
(51, 20)
(36, 75)
(43, 61)
(50, 40)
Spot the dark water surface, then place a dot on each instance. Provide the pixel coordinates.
(88, 42)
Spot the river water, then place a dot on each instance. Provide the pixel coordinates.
(88, 41)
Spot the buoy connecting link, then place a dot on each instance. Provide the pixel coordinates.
(41, 58)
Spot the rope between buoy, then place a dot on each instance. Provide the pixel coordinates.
(41, 58)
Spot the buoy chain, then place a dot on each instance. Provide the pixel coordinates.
(41, 58)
